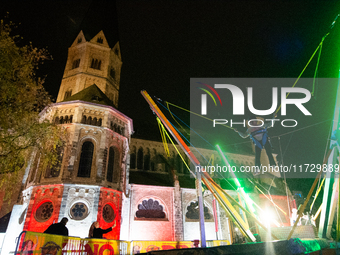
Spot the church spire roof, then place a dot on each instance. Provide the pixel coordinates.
(91, 94)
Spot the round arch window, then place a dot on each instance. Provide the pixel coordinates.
(108, 213)
(44, 212)
(79, 211)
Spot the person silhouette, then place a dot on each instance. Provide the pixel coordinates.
(257, 131)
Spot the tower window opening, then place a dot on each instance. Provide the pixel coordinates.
(96, 64)
(140, 156)
(63, 119)
(68, 93)
(79, 40)
(85, 162)
(89, 120)
(99, 40)
(75, 63)
(94, 121)
(83, 120)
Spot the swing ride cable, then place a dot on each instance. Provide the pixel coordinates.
(316, 68)
(319, 46)
(185, 124)
(318, 123)
(271, 200)
(165, 131)
(167, 105)
(174, 115)
(284, 176)
(320, 185)
(208, 163)
(193, 145)
(317, 65)
(303, 70)
(206, 177)
(174, 146)
(158, 101)
(196, 114)
(166, 148)
(184, 136)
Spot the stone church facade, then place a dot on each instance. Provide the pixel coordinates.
(105, 175)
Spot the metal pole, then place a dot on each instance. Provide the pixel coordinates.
(201, 208)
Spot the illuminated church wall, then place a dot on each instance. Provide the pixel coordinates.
(97, 126)
(81, 204)
(44, 207)
(110, 210)
(191, 217)
(151, 215)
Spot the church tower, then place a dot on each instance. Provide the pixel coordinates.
(92, 61)
(90, 180)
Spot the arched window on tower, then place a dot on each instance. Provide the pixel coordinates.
(89, 120)
(140, 158)
(96, 64)
(111, 164)
(85, 162)
(68, 93)
(94, 121)
(133, 158)
(75, 63)
(83, 120)
(147, 160)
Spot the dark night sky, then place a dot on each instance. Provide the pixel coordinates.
(164, 43)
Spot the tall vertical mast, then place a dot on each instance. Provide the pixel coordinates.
(330, 195)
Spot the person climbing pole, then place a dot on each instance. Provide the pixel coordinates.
(257, 131)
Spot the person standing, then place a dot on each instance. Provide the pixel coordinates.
(58, 228)
(97, 232)
(257, 131)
